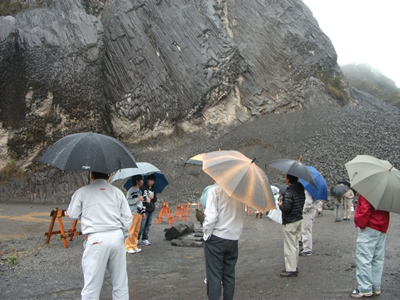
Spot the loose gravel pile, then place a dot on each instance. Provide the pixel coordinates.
(325, 138)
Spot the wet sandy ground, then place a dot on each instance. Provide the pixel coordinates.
(162, 271)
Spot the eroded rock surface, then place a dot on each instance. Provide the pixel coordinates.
(140, 69)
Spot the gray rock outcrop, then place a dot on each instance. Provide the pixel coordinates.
(137, 69)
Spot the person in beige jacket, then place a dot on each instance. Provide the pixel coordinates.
(348, 198)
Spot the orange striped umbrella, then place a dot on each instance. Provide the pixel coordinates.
(240, 178)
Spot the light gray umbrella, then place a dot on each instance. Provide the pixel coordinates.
(89, 151)
(294, 168)
(143, 168)
(377, 180)
(339, 190)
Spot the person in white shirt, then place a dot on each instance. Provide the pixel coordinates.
(105, 219)
(222, 228)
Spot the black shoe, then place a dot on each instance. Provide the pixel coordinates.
(289, 274)
(297, 271)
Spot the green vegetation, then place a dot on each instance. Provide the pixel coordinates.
(12, 260)
(13, 7)
(333, 85)
(371, 81)
(10, 170)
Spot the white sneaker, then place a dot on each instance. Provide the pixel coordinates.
(146, 243)
(130, 251)
(137, 250)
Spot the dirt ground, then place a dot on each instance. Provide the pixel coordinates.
(162, 271)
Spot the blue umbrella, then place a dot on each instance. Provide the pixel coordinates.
(159, 185)
(322, 192)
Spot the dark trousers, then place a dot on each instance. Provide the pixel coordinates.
(145, 226)
(220, 256)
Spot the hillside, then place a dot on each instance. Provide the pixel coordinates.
(364, 78)
(172, 79)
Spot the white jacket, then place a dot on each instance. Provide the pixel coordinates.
(101, 207)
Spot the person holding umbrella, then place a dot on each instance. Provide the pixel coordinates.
(222, 228)
(338, 191)
(150, 196)
(370, 250)
(378, 184)
(135, 198)
(292, 213)
(105, 219)
(240, 181)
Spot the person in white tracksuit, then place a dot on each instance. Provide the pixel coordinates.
(306, 226)
(105, 219)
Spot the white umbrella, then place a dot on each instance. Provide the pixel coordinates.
(143, 168)
(377, 180)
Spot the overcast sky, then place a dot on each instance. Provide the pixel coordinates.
(362, 31)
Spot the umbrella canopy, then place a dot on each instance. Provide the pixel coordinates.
(377, 180)
(143, 168)
(339, 190)
(89, 151)
(294, 168)
(274, 189)
(195, 160)
(240, 178)
(159, 185)
(345, 182)
(322, 192)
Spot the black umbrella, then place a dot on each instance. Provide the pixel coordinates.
(294, 168)
(339, 190)
(89, 151)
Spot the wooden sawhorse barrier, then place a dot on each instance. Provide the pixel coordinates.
(187, 208)
(180, 211)
(165, 210)
(70, 233)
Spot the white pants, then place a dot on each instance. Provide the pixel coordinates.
(105, 250)
(320, 205)
(306, 229)
(291, 237)
(347, 208)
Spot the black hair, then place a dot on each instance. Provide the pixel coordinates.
(136, 178)
(97, 175)
(292, 179)
(151, 177)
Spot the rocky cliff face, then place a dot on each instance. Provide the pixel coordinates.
(136, 69)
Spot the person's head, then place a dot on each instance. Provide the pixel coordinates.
(348, 185)
(150, 180)
(97, 175)
(290, 179)
(137, 180)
